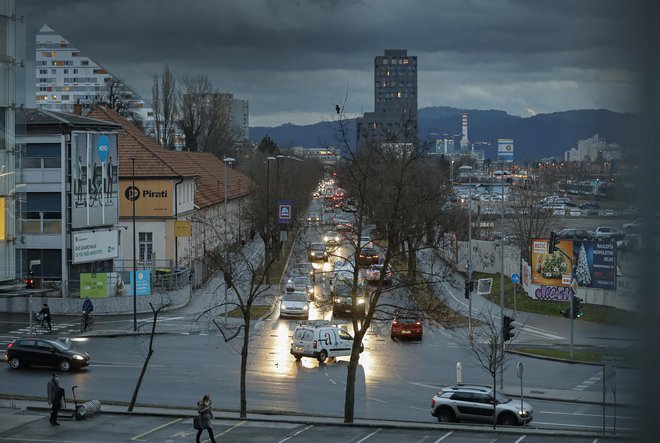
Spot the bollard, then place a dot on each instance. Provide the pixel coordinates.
(459, 373)
(86, 409)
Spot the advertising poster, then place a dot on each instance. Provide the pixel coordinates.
(551, 269)
(89, 246)
(143, 285)
(94, 285)
(284, 211)
(94, 179)
(595, 264)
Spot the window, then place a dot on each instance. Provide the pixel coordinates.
(84, 63)
(43, 71)
(146, 246)
(75, 71)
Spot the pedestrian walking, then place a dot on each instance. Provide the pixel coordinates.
(204, 419)
(55, 398)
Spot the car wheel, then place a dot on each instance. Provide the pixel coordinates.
(14, 363)
(323, 355)
(446, 415)
(507, 419)
(65, 365)
(392, 335)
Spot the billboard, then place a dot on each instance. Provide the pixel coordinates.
(94, 164)
(284, 211)
(153, 198)
(143, 285)
(94, 285)
(505, 149)
(594, 261)
(551, 269)
(96, 245)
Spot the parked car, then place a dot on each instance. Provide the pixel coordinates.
(590, 205)
(373, 274)
(294, 304)
(25, 352)
(332, 238)
(609, 213)
(321, 339)
(406, 327)
(608, 233)
(475, 403)
(317, 251)
(367, 257)
(574, 234)
(574, 212)
(342, 298)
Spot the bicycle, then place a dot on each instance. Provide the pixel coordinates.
(43, 324)
(86, 322)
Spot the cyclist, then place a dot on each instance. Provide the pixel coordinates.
(45, 315)
(87, 309)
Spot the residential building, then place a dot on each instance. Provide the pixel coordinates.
(395, 100)
(66, 77)
(592, 150)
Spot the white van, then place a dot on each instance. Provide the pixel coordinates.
(321, 339)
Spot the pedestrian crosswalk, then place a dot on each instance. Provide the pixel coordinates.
(58, 329)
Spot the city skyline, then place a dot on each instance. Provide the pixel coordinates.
(294, 61)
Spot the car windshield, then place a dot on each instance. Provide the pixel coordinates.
(318, 247)
(295, 296)
(501, 398)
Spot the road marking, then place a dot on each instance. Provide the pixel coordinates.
(538, 332)
(589, 382)
(375, 399)
(369, 436)
(622, 417)
(443, 437)
(295, 434)
(520, 439)
(232, 428)
(419, 409)
(157, 428)
(422, 385)
(580, 426)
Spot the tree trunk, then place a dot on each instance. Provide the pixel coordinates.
(349, 401)
(244, 359)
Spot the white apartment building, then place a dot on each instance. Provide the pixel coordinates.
(65, 77)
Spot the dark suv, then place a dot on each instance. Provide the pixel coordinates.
(574, 234)
(44, 352)
(342, 298)
(475, 403)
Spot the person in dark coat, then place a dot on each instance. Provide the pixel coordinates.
(55, 398)
(206, 415)
(45, 312)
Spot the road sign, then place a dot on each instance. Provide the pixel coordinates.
(574, 285)
(515, 278)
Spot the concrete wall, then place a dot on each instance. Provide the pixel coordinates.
(102, 306)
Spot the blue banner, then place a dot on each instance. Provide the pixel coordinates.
(143, 286)
(284, 211)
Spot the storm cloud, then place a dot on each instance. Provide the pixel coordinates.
(295, 59)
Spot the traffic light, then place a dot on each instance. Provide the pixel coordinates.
(507, 329)
(29, 282)
(469, 287)
(578, 307)
(554, 241)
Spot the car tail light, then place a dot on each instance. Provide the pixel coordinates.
(418, 323)
(315, 344)
(10, 345)
(432, 403)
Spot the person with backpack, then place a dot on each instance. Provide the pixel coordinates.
(55, 398)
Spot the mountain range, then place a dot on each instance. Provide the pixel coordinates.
(536, 137)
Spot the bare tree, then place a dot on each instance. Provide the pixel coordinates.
(245, 286)
(393, 190)
(487, 349)
(155, 312)
(163, 92)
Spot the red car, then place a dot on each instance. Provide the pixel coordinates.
(368, 257)
(406, 327)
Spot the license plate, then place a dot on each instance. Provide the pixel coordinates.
(405, 332)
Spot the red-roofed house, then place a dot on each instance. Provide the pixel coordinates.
(172, 189)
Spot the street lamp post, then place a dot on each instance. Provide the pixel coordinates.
(227, 161)
(134, 285)
(502, 173)
(268, 226)
(469, 262)
(451, 174)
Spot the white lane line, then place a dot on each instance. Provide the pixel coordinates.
(157, 428)
(580, 426)
(622, 417)
(295, 434)
(443, 437)
(419, 409)
(375, 399)
(232, 428)
(422, 385)
(369, 436)
(520, 439)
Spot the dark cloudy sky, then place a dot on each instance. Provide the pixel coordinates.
(295, 59)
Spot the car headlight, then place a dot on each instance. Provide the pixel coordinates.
(360, 301)
(523, 413)
(78, 357)
(305, 308)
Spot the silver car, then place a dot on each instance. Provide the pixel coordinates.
(475, 403)
(294, 304)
